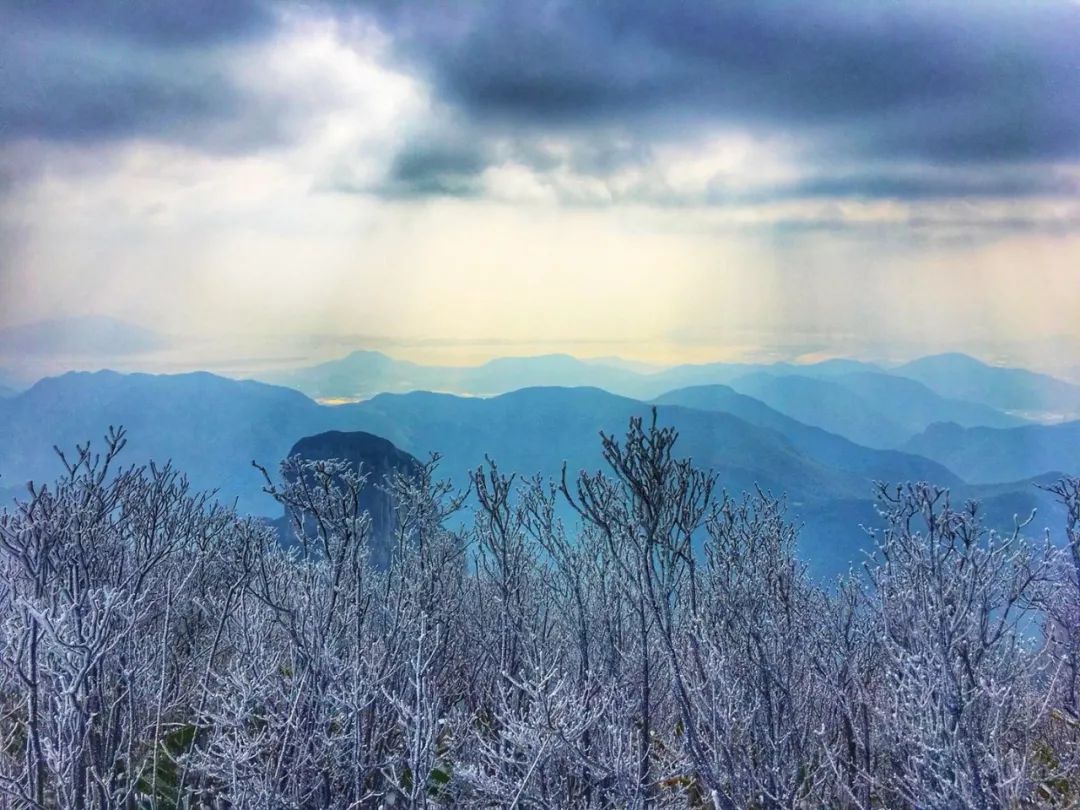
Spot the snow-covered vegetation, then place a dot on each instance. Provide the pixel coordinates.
(664, 649)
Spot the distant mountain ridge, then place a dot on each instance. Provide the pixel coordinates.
(210, 426)
(858, 400)
(871, 408)
(536, 429)
(213, 427)
(363, 374)
(829, 447)
(915, 406)
(1015, 390)
(994, 455)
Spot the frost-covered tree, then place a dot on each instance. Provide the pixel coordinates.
(648, 511)
(630, 638)
(1059, 753)
(963, 674)
(102, 628)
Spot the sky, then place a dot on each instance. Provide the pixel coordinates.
(270, 183)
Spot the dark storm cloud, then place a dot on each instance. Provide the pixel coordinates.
(437, 167)
(454, 167)
(950, 82)
(105, 70)
(164, 23)
(452, 161)
(912, 187)
(852, 85)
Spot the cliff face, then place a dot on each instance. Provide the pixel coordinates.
(375, 457)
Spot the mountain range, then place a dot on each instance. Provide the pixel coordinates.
(1017, 390)
(991, 455)
(868, 403)
(362, 374)
(872, 408)
(213, 427)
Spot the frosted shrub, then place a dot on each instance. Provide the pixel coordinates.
(665, 649)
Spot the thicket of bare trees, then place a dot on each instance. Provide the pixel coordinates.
(667, 649)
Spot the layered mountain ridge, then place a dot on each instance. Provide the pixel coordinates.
(212, 428)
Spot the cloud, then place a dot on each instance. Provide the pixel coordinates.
(436, 166)
(165, 23)
(945, 83)
(749, 183)
(948, 82)
(738, 104)
(79, 336)
(832, 117)
(908, 185)
(91, 72)
(586, 100)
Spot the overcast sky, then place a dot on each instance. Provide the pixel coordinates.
(452, 180)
